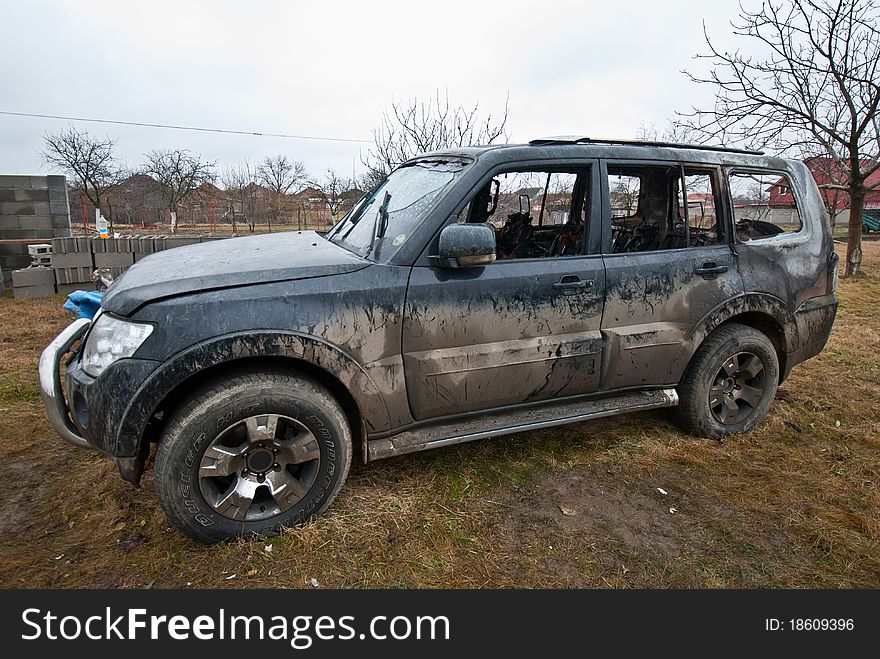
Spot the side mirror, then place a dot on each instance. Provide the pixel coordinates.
(525, 206)
(463, 245)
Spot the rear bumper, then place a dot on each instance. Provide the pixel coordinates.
(814, 319)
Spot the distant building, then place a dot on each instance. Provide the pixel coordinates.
(826, 171)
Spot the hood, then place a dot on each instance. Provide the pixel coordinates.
(230, 262)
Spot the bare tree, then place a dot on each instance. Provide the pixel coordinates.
(237, 181)
(673, 132)
(417, 126)
(625, 195)
(280, 176)
(178, 174)
(87, 161)
(332, 189)
(833, 183)
(817, 80)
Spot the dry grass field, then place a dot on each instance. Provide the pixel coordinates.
(794, 504)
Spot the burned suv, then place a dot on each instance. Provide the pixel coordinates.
(475, 292)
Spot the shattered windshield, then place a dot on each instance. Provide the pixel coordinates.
(379, 225)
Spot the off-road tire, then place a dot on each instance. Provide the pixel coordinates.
(694, 413)
(201, 419)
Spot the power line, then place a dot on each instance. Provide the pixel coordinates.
(171, 126)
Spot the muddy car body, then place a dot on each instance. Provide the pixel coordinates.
(429, 316)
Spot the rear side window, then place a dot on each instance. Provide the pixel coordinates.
(660, 207)
(764, 204)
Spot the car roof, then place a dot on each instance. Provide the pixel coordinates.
(619, 149)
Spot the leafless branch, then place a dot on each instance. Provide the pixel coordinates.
(418, 126)
(806, 77)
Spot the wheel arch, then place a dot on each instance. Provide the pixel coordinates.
(765, 313)
(267, 363)
(176, 378)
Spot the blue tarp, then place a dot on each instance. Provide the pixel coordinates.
(84, 304)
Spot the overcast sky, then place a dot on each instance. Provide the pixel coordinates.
(330, 68)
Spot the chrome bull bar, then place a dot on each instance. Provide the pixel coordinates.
(50, 382)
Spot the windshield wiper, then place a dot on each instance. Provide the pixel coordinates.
(353, 218)
(380, 224)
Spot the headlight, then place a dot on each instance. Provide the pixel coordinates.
(111, 339)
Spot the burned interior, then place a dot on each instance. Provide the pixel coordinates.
(649, 212)
(535, 214)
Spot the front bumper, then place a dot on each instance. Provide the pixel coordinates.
(94, 410)
(50, 382)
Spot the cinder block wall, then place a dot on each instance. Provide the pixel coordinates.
(33, 209)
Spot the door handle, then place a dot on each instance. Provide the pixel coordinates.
(709, 270)
(569, 284)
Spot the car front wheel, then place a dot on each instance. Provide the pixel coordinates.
(252, 454)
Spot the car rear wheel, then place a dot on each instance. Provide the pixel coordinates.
(252, 454)
(730, 383)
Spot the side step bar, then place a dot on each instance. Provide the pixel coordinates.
(495, 425)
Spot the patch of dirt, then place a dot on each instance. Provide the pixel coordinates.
(18, 505)
(599, 506)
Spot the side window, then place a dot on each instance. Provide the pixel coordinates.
(535, 214)
(702, 218)
(649, 211)
(764, 204)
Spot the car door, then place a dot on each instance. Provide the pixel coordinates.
(514, 331)
(657, 293)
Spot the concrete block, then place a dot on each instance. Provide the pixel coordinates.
(41, 261)
(14, 262)
(38, 182)
(73, 260)
(31, 234)
(8, 222)
(7, 195)
(33, 277)
(39, 249)
(60, 207)
(33, 291)
(62, 245)
(56, 181)
(180, 241)
(18, 249)
(42, 222)
(15, 182)
(41, 207)
(60, 221)
(111, 260)
(73, 275)
(59, 233)
(31, 195)
(17, 208)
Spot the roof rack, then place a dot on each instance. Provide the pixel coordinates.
(574, 139)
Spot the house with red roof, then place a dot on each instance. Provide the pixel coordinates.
(826, 171)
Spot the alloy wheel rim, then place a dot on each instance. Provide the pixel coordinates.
(259, 467)
(738, 388)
